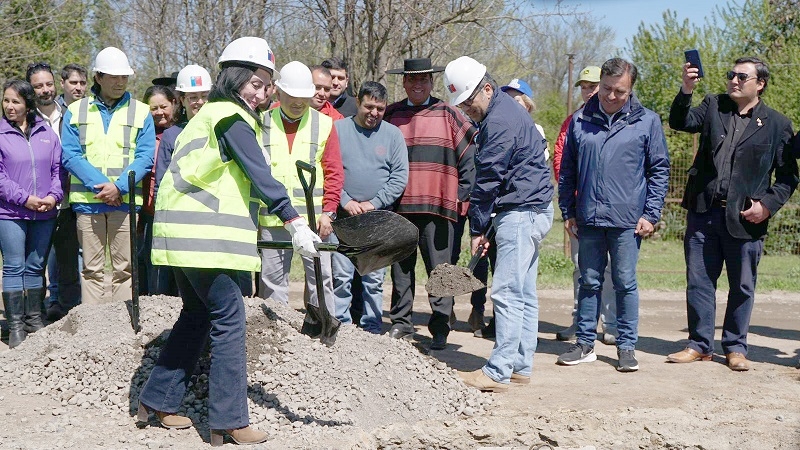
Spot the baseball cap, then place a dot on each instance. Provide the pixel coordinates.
(518, 85)
(590, 74)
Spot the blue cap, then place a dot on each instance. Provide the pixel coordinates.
(518, 85)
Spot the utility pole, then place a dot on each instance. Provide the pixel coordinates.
(571, 56)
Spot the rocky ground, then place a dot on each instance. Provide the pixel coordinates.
(75, 385)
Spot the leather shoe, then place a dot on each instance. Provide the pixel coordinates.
(167, 420)
(476, 321)
(439, 342)
(520, 379)
(567, 334)
(688, 355)
(400, 333)
(479, 380)
(737, 361)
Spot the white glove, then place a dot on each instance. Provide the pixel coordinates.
(303, 239)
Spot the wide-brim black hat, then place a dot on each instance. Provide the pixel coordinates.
(416, 65)
(166, 81)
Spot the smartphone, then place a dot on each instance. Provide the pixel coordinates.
(748, 203)
(693, 58)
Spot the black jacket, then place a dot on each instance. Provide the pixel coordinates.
(764, 148)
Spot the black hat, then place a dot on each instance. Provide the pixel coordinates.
(417, 65)
(166, 81)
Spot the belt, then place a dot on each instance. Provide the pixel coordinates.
(719, 203)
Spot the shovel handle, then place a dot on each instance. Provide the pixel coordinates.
(489, 234)
(308, 190)
(134, 252)
(287, 245)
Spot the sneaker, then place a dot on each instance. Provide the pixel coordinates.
(578, 353)
(627, 361)
(608, 338)
(567, 334)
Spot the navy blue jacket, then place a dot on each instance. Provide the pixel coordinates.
(510, 169)
(612, 177)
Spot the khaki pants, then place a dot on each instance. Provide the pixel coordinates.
(95, 232)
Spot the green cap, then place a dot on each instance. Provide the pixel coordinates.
(590, 74)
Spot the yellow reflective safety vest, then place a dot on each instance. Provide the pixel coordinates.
(206, 208)
(309, 142)
(111, 151)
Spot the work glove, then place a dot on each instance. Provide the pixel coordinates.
(303, 239)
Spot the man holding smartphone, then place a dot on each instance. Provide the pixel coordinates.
(730, 197)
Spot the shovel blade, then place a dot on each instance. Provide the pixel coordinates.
(375, 239)
(447, 280)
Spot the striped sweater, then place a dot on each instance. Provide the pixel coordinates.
(441, 150)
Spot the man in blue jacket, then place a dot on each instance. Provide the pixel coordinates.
(512, 179)
(614, 176)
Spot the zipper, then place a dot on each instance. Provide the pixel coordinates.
(33, 170)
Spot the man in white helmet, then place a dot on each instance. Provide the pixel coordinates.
(106, 135)
(512, 180)
(298, 132)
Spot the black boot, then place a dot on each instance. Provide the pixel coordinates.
(34, 298)
(13, 305)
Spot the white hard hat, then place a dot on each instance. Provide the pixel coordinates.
(193, 78)
(295, 79)
(112, 61)
(249, 50)
(461, 76)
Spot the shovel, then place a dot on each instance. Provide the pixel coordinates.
(134, 263)
(372, 240)
(447, 280)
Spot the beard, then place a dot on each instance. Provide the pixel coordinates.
(46, 101)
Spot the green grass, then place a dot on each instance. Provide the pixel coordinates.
(661, 266)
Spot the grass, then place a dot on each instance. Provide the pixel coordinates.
(661, 266)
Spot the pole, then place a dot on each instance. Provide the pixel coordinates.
(571, 64)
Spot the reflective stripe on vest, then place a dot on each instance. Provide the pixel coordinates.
(313, 131)
(111, 152)
(206, 209)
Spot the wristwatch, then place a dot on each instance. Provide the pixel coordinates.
(330, 214)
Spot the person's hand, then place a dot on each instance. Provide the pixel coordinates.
(353, 208)
(109, 193)
(571, 227)
(47, 204)
(366, 206)
(644, 228)
(690, 78)
(303, 239)
(324, 226)
(479, 244)
(33, 203)
(757, 213)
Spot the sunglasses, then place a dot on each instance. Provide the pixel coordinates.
(741, 76)
(468, 101)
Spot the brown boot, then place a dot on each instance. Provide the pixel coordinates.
(167, 420)
(241, 436)
(688, 355)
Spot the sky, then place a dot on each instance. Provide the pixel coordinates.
(626, 15)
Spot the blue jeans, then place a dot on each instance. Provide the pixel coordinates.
(372, 292)
(212, 306)
(707, 246)
(596, 244)
(24, 244)
(516, 305)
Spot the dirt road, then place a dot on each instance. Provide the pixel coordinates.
(701, 405)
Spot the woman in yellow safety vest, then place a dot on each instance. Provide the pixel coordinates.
(206, 229)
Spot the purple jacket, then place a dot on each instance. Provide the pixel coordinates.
(28, 168)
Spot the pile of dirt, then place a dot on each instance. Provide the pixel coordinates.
(300, 391)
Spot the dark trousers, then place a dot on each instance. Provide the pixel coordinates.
(152, 279)
(707, 246)
(435, 243)
(481, 272)
(66, 250)
(212, 306)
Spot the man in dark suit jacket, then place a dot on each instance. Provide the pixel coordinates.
(730, 197)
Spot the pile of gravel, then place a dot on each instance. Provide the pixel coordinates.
(300, 391)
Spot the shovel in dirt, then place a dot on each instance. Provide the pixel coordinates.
(134, 250)
(447, 280)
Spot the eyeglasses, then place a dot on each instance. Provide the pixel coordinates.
(468, 101)
(39, 65)
(741, 76)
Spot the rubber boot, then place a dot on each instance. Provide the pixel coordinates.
(13, 305)
(34, 298)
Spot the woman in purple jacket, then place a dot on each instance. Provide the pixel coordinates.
(30, 188)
